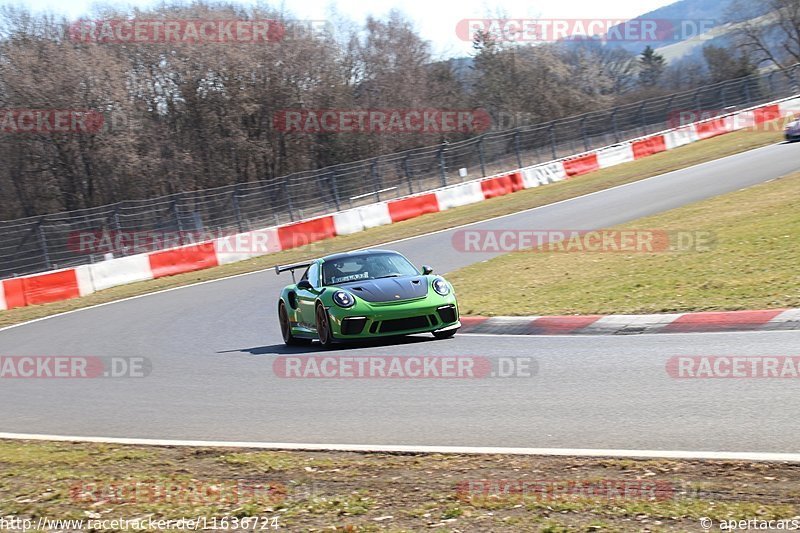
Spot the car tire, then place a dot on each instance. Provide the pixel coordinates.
(445, 334)
(286, 330)
(323, 326)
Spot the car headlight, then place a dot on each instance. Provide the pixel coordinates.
(343, 299)
(441, 287)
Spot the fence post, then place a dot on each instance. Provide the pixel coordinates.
(669, 113)
(177, 212)
(747, 94)
(516, 149)
(409, 177)
(583, 134)
(236, 210)
(442, 167)
(614, 125)
(332, 180)
(481, 157)
(722, 96)
(376, 178)
(288, 197)
(641, 117)
(552, 130)
(116, 230)
(43, 243)
(794, 80)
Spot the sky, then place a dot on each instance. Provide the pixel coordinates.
(435, 20)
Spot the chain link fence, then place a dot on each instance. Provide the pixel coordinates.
(47, 242)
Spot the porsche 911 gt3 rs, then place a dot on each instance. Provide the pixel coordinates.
(792, 131)
(365, 294)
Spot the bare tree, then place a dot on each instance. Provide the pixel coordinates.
(773, 38)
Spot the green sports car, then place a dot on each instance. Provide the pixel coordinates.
(358, 295)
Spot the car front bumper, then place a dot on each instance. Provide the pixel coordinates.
(432, 313)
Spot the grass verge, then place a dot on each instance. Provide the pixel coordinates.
(603, 179)
(752, 265)
(336, 491)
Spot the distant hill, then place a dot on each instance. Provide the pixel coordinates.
(717, 17)
(704, 22)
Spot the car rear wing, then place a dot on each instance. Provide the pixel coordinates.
(291, 268)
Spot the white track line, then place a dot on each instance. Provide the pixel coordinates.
(380, 448)
(398, 240)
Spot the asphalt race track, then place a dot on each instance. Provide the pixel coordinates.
(212, 347)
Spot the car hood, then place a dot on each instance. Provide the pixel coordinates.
(793, 126)
(388, 289)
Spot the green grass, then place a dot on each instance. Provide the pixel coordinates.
(341, 491)
(753, 265)
(602, 179)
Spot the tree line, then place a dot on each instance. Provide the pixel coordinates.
(182, 117)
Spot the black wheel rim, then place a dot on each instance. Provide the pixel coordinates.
(284, 320)
(322, 325)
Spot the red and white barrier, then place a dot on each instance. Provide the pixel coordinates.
(582, 164)
(713, 127)
(789, 107)
(502, 185)
(614, 155)
(743, 120)
(243, 246)
(543, 174)
(83, 275)
(458, 195)
(347, 222)
(306, 232)
(120, 271)
(768, 113)
(648, 146)
(45, 288)
(413, 206)
(374, 215)
(184, 259)
(74, 282)
(680, 137)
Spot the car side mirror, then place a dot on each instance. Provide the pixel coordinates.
(304, 284)
(426, 270)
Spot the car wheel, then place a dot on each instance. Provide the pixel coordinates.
(323, 327)
(445, 334)
(286, 330)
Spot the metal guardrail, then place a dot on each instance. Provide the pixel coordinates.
(43, 243)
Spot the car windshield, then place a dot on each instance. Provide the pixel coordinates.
(366, 266)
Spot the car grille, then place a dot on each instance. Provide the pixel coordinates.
(403, 324)
(353, 326)
(447, 313)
